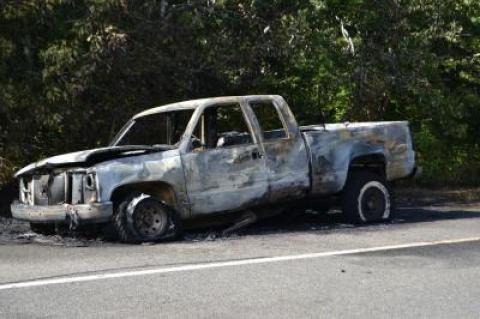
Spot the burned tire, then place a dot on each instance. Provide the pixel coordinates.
(142, 218)
(43, 229)
(367, 198)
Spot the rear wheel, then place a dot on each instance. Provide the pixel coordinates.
(142, 218)
(367, 198)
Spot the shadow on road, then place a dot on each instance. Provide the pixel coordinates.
(418, 215)
(12, 232)
(333, 220)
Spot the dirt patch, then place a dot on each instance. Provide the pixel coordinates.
(416, 196)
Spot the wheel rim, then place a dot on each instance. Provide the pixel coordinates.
(373, 203)
(150, 219)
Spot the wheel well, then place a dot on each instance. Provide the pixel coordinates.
(374, 163)
(160, 190)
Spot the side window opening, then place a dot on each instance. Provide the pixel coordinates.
(221, 126)
(269, 120)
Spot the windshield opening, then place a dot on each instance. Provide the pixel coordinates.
(164, 128)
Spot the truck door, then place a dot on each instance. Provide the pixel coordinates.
(284, 148)
(224, 167)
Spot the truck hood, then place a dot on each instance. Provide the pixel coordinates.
(90, 157)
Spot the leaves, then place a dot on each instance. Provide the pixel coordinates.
(71, 72)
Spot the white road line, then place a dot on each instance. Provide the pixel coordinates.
(250, 261)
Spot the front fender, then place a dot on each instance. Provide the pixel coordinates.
(165, 167)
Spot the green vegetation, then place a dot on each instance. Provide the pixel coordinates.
(71, 72)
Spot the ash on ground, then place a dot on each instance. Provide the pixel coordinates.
(17, 232)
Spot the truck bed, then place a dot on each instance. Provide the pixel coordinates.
(333, 147)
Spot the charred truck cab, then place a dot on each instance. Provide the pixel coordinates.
(213, 156)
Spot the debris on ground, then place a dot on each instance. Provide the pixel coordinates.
(17, 232)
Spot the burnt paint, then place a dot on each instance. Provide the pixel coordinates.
(333, 149)
(312, 160)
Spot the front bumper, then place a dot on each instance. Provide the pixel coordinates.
(83, 213)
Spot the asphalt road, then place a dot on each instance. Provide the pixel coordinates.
(425, 264)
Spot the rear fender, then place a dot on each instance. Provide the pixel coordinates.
(330, 169)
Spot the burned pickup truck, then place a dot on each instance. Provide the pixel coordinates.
(224, 155)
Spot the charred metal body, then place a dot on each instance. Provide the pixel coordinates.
(202, 166)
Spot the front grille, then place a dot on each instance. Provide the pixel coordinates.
(52, 189)
(26, 187)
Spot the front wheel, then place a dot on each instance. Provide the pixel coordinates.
(367, 198)
(142, 218)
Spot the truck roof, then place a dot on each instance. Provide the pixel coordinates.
(193, 104)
